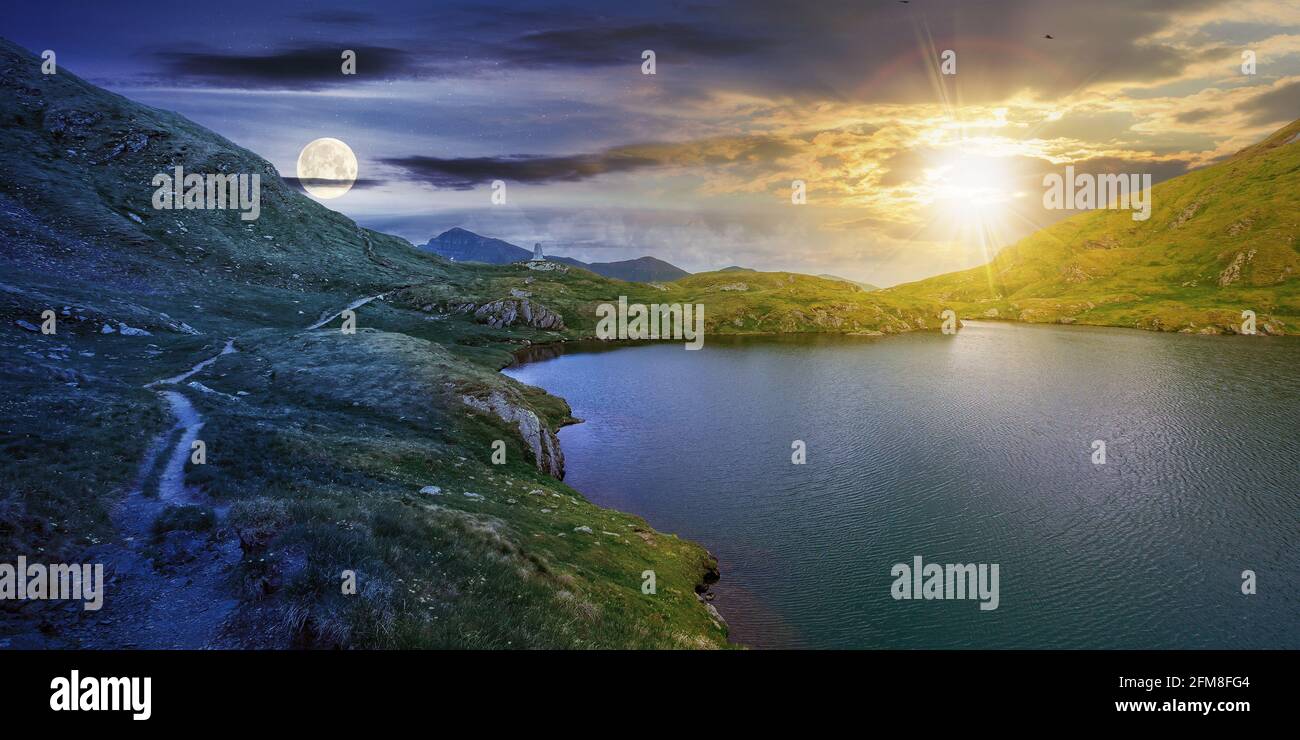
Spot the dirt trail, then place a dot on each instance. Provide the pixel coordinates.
(173, 380)
(176, 591)
(358, 303)
(168, 592)
(171, 484)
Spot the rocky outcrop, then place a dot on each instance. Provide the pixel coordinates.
(1105, 242)
(77, 124)
(545, 266)
(1241, 226)
(1232, 273)
(1190, 211)
(510, 311)
(1074, 274)
(539, 438)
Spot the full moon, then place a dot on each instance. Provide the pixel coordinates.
(327, 168)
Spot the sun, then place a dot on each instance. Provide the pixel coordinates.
(972, 196)
(972, 187)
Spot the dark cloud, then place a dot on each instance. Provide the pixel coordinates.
(887, 52)
(623, 44)
(359, 183)
(1196, 115)
(1159, 170)
(1280, 105)
(466, 172)
(337, 17)
(1089, 126)
(514, 40)
(309, 67)
(844, 50)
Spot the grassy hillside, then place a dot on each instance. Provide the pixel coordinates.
(734, 302)
(323, 449)
(1220, 240)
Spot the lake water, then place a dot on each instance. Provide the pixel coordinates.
(974, 448)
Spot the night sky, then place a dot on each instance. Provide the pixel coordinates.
(909, 172)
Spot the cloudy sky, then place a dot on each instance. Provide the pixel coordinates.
(909, 172)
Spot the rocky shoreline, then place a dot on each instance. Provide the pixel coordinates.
(711, 572)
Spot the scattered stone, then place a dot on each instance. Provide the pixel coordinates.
(583, 529)
(1075, 274)
(475, 496)
(546, 266)
(431, 491)
(131, 331)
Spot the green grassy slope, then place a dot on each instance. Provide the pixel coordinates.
(1220, 240)
(318, 443)
(734, 302)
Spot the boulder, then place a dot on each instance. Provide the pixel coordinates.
(539, 438)
(516, 310)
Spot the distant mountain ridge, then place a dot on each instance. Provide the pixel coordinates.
(859, 283)
(463, 245)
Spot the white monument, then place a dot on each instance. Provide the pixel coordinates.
(539, 261)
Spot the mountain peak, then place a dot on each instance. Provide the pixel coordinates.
(463, 245)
